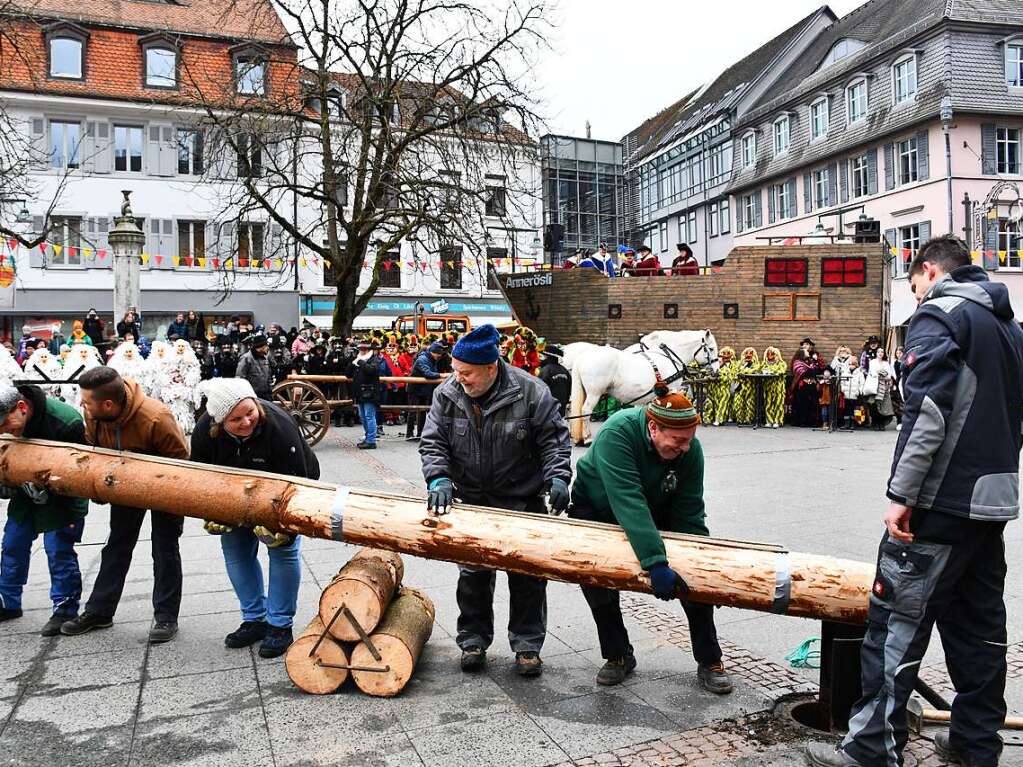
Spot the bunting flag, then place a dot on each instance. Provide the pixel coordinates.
(316, 261)
(326, 263)
(1002, 256)
(158, 260)
(202, 263)
(243, 262)
(145, 259)
(72, 251)
(278, 263)
(87, 252)
(975, 256)
(188, 260)
(58, 249)
(216, 263)
(12, 243)
(175, 260)
(266, 263)
(42, 247)
(102, 254)
(302, 262)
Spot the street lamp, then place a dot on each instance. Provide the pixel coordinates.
(24, 217)
(947, 115)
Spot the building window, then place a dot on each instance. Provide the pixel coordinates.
(712, 220)
(856, 101)
(909, 240)
(663, 238)
(785, 272)
(821, 197)
(1014, 65)
(192, 242)
(1010, 241)
(66, 233)
(250, 241)
(780, 193)
(250, 75)
(907, 160)
(819, 119)
(66, 58)
(1008, 150)
(190, 152)
(496, 198)
(451, 267)
(161, 68)
(128, 148)
(250, 156)
(781, 135)
(65, 139)
(749, 150)
(860, 176)
(497, 255)
(726, 217)
(390, 270)
(691, 231)
(843, 272)
(749, 212)
(904, 76)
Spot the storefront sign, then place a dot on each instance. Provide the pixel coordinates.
(530, 281)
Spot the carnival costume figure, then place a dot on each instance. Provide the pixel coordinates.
(745, 400)
(774, 365)
(719, 391)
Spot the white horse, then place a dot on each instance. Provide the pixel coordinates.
(628, 374)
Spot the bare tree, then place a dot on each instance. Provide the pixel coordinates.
(411, 121)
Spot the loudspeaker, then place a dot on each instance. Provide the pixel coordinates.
(671, 311)
(614, 311)
(730, 311)
(867, 230)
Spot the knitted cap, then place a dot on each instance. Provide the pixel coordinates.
(223, 394)
(671, 410)
(478, 347)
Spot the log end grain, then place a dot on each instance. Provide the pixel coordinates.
(306, 671)
(396, 657)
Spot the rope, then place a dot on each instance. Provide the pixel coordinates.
(803, 656)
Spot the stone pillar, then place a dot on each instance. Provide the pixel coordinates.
(126, 242)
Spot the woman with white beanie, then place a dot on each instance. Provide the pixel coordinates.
(241, 431)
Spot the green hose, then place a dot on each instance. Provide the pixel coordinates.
(804, 656)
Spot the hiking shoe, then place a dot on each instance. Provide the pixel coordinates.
(10, 613)
(85, 623)
(615, 670)
(528, 664)
(52, 627)
(713, 678)
(277, 641)
(826, 755)
(163, 631)
(473, 658)
(247, 634)
(943, 748)
(364, 445)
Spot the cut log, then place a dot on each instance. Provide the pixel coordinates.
(366, 585)
(399, 639)
(306, 668)
(750, 576)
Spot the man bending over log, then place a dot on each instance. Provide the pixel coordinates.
(494, 437)
(644, 471)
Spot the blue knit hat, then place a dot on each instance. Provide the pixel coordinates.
(437, 348)
(478, 347)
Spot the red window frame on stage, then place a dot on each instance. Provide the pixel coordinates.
(843, 272)
(786, 272)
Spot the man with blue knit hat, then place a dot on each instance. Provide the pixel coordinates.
(494, 437)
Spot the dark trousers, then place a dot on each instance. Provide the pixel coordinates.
(614, 637)
(952, 574)
(416, 418)
(125, 523)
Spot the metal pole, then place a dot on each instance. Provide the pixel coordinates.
(948, 172)
(968, 229)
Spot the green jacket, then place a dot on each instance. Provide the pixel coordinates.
(54, 420)
(622, 479)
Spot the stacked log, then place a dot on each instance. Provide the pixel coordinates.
(313, 661)
(399, 639)
(365, 586)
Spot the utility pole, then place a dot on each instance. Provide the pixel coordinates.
(126, 242)
(968, 229)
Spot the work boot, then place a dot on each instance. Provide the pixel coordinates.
(943, 748)
(278, 640)
(615, 670)
(10, 613)
(364, 445)
(85, 623)
(247, 634)
(473, 659)
(713, 678)
(826, 755)
(52, 627)
(163, 631)
(528, 664)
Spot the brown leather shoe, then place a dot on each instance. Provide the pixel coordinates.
(713, 678)
(528, 664)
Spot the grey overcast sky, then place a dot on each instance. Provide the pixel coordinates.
(618, 63)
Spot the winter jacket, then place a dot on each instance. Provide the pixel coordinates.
(958, 451)
(257, 371)
(129, 327)
(301, 346)
(365, 375)
(621, 479)
(502, 450)
(226, 364)
(425, 366)
(276, 445)
(93, 328)
(179, 329)
(54, 420)
(558, 380)
(195, 329)
(144, 426)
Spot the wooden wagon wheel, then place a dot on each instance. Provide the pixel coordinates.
(307, 406)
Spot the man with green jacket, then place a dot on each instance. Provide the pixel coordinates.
(644, 472)
(26, 412)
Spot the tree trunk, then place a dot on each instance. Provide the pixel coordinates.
(399, 639)
(366, 585)
(751, 576)
(305, 667)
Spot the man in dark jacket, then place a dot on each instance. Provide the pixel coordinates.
(226, 361)
(255, 368)
(178, 328)
(557, 378)
(493, 437)
(954, 485)
(421, 394)
(365, 374)
(27, 412)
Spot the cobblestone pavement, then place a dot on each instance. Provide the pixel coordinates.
(108, 699)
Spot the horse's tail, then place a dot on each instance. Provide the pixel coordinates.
(577, 425)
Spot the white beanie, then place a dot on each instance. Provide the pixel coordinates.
(222, 394)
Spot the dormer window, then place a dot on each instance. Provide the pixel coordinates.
(781, 135)
(856, 100)
(1014, 63)
(749, 149)
(65, 47)
(160, 58)
(904, 79)
(250, 72)
(842, 49)
(820, 118)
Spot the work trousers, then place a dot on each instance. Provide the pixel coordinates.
(275, 604)
(125, 524)
(952, 574)
(614, 637)
(65, 576)
(416, 418)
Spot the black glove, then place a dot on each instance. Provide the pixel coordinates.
(442, 495)
(558, 496)
(667, 584)
(38, 495)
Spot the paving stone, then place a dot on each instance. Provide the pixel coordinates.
(687, 704)
(198, 647)
(509, 739)
(236, 738)
(81, 710)
(123, 635)
(114, 667)
(203, 693)
(28, 743)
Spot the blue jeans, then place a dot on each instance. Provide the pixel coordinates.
(368, 416)
(277, 605)
(65, 577)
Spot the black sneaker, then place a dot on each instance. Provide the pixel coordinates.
(713, 678)
(52, 627)
(163, 631)
(85, 623)
(10, 613)
(943, 748)
(473, 658)
(364, 445)
(247, 634)
(528, 664)
(615, 670)
(276, 642)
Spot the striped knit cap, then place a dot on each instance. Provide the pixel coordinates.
(671, 410)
